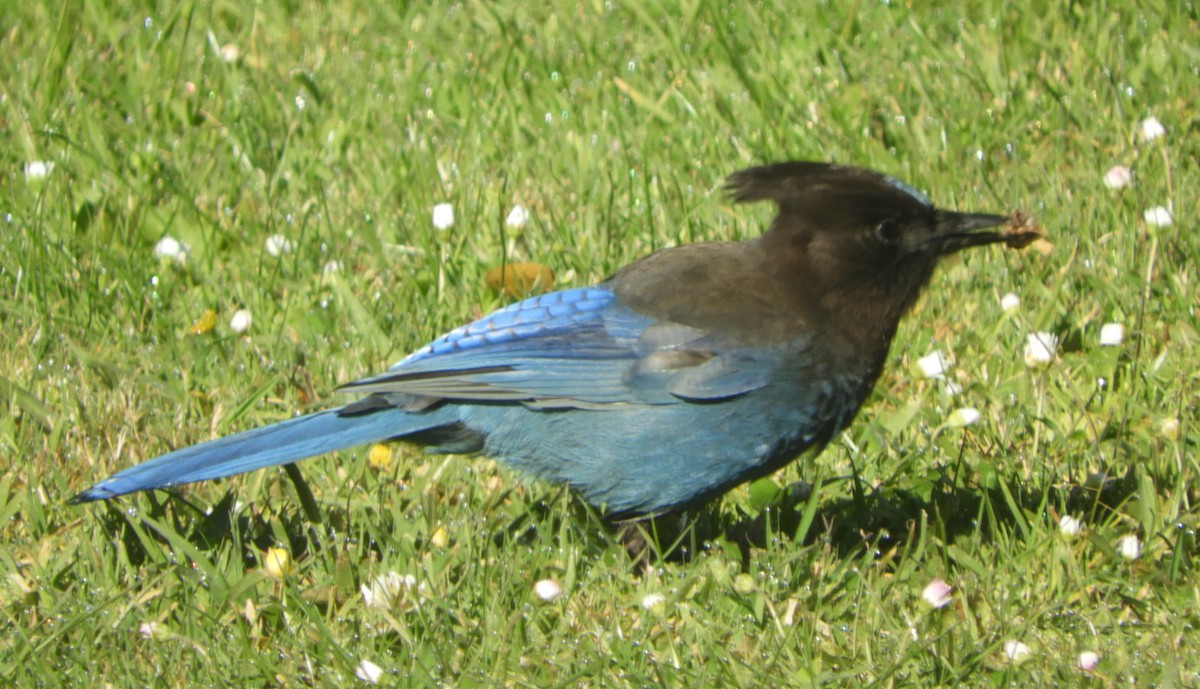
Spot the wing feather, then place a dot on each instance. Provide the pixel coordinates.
(572, 348)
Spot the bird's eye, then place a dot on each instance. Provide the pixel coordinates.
(888, 232)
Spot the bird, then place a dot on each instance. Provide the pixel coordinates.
(682, 375)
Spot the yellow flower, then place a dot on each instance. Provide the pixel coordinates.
(380, 457)
(277, 563)
(440, 537)
(206, 322)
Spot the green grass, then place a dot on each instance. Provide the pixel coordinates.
(615, 123)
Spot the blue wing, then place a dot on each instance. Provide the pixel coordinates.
(574, 348)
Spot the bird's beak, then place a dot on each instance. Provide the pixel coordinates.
(957, 231)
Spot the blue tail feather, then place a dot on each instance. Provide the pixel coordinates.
(280, 443)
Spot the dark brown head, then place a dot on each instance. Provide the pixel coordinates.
(858, 243)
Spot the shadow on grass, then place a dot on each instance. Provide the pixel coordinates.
(878, 520)
(205, 529)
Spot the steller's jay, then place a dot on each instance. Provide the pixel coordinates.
(693, 370)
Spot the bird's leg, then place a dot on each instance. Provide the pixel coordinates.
(656, 539)
(307, 501)
(860, 495)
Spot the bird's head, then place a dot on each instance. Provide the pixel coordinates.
(856, 216)
(859, 242)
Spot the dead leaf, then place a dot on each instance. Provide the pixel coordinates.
(520, 279)
(206, 322)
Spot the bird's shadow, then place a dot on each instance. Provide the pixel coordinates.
(880, 521)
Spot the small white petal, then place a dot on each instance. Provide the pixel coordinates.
(240, 322)
(1158, 216)
(385, 589)
(443, 216)
(330, 268)
(169, 247)
(1111, 334)
(38, 169)
(1016, 651)
(1040, 348)
(934, 365)
(654, 601)
(1069, 526)
(148, 629)
(1118, 177)
(230, 53)
(1088, 660)
(937, 594)
(1152, 129)
(368, 672)
(1129, 547)
(278, 245)
(517, 217)
(548, 590)
(1169, 428)
(1010, 302)
(964, 416)
(371, 597)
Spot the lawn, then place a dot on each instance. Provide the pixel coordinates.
(211, 214)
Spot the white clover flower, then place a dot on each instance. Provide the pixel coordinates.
(1130, 547)
(1069, 526)
(1009, 302)
(1040, 348)
(278, 245)
(934, 365)
(654, 602)
(517, 217)
(368, 672)
(148, 630)
(963, 417)
(548, 590)
(1087, 661)
(1111, 334)
(240, 322)
(330, 268)
(385, 590)
(230, 53)
(171, 248)
(1169, 428)
(1152, 129)
(937, 594)
(1158, 216)
(1118, 177)
(36, 170)
(443, 216)
(745, 584)
(1016, 651)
